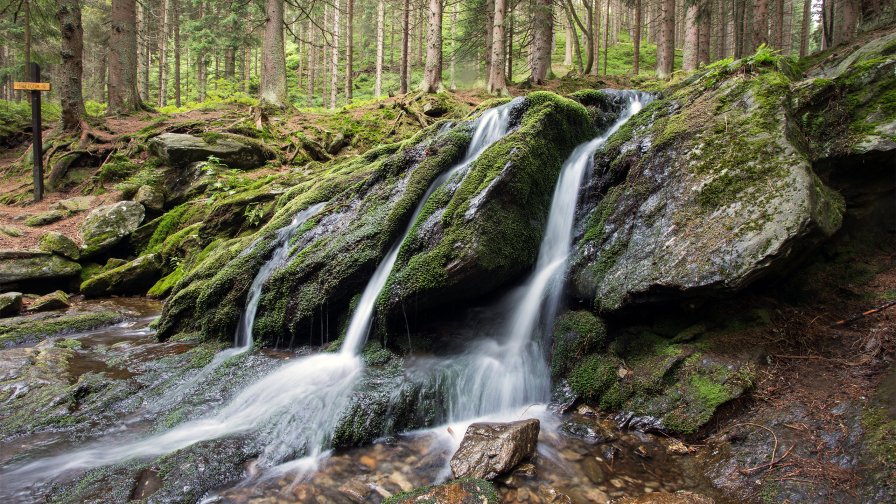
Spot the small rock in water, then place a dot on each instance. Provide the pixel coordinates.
(400, 480)
(588, 430)
(52, 301)
(676, 447)
(610, 453)
(642, 452)
(368, 461)
(681, 497)
(464, 490)
(490, 449)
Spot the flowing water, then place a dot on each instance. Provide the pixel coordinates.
(294, 410)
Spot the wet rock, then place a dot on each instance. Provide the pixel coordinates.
(151, 198)
(461, 491)
(38, 326)
(576, 334)
(587, 429)
(550, 495)
(179, 150)
(681, 497)
(28, 266)
(45, 218)
(107, 225)
(593, 470)
(52, 301)
(10, 303)
(490, 449)
(58, 243)
(134, 277)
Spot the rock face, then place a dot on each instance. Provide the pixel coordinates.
(462, 491)
(107, 225)
(151, 198)
(52, 301)
(706, 190)
(179, 150)
(24, 266)
(10, 303)
(134, 277)
(58, 243)
(491, 449)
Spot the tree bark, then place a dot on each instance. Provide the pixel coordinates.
(691, 39)
(404, 77)
(432, 73)
(334, 63)
(542, 27)
(123, 97)
(704, 27)
(453, 84)
(489, 34)
(177, 49)
(665, 55)
(567, 58)
(496, 83)
(163, 50)
(380, 38)
(71, 68)
(760, 23)
(804, 32)
(636, 56)
(606, 37)
(845, 30)
(272, 85)
(349, 48)
(594, 20)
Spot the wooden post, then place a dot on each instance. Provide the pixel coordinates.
(36, 86)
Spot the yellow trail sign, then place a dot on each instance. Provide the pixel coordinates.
(31, 86)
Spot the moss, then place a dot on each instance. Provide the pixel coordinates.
(14, 332)
(72, 344)
(880, 436)
(165, 284)
(168, 224)
(576, 334)
(593, 376)
(89, 270)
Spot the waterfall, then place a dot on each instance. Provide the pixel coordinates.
(296, 408)
(503, 374)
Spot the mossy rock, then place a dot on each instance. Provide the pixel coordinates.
(46, 218)
(576, 334)
(30, 266)
(134, 277)
(10, 303)
(179, 150)
(30, 328)
(58, 243)
(53, 301)
(702, 193)
(108, 225)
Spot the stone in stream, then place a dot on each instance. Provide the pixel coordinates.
(107, 225)
(10, 303)
(491, 449)
(179, 150)
(52, 301)
(461, 491)
(681, 497)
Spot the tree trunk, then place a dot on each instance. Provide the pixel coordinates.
(272, 85)
(123, 97)
(496, 82)
(509, 48)
(665, 54)
(312, 65)
(723, 29)
(760, 23)
(845, 30)
(334, 63)
(542, 27)
(489, 34)
(71, 69)
(404, 78)
(349, 48)
(595, 34)
(380, 38)
(636, 55)
(704, 26)
(691, 39)
(606, 37)
(163, 50)
(453, 84)
(567, 58)
(804, 32)
(432, 73)
(177, 48)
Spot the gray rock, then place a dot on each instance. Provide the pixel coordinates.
(151, 198)
(491, 449)
(179, 150)
(45, 218)
(11, 231)
(76, 204)
(10, 304)
(107, 225)
(52, 301)
(17, 266)
(134, 277)
(58, 243)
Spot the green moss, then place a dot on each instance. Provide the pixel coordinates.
(593, 376)
(165, 284)
(72, 344)
(880, 436)
(14, 332)
(576, 334)
(168, 224)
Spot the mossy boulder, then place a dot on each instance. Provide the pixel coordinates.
(460, 491)
(46, 218)
(108, 225)
(53, 301)
(10, 304)
(480, 233)
(74, 205)
(701, 193)
(58, 243)
(152, 198)
(134, 277)
(576, 334)
(18, 267)
(179, 150)
(39, 326)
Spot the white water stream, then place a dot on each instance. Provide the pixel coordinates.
(295, 409)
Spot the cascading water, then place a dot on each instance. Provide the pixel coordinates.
(295, 409)
(502, 375)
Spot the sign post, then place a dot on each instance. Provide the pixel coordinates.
(36, 131)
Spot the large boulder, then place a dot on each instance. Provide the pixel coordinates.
(27, 266)
(491, 449)
(179, 150)
(58, 243)
(705, 191)
(108, 225)
(134, 277)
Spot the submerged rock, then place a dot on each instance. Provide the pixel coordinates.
(107, 225)
(58, 243)
(29, 266)
(681, 497)
(461, 491)
(491, 449)
(134, 277)
(179, 150)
